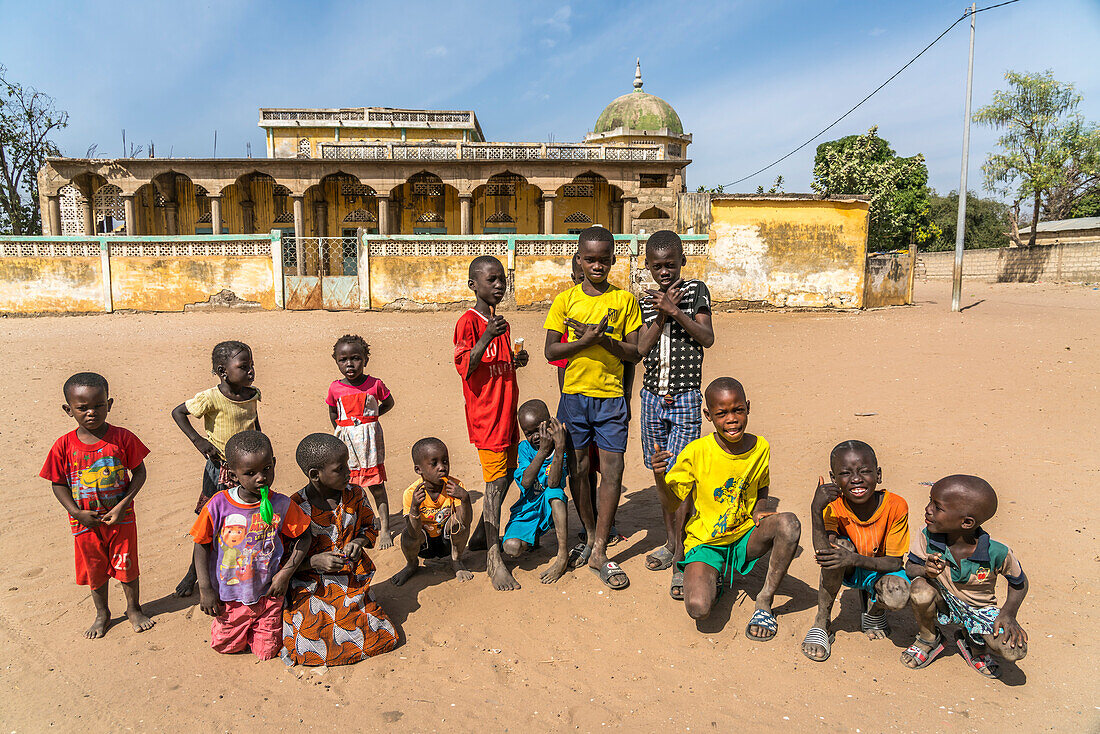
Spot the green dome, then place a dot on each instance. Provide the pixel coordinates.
(639, 110)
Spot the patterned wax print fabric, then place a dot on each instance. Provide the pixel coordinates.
(332, 618)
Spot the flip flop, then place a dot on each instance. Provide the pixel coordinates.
(765, 619)
(981, 662)
(659, 559)
(924, 658)
(818, 636)
(676, 588)
(609, 571)
(579, 555)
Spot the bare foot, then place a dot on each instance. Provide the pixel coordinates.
(498, 573)
(99, 626)
(384, 540)
(460, 571)
(405, 574)
(556, 570)
(186, 587)
(139, 620)
(875, 634)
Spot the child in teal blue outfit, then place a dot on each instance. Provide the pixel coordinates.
(541, 477)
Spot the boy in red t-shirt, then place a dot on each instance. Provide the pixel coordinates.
(485, 360)
(96, 472)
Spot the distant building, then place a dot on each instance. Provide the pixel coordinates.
(1064, 231)
(391, 171)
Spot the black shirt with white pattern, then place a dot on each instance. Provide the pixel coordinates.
(675, 363)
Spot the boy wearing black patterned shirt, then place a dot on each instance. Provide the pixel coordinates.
(677, 328)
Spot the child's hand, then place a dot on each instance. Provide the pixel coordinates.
(1009, 631)
(835, 557)
(826, 493)
(114, 515)
(667, 302)
(88, 518)
(546, 438)
(279, 583)
(557, 432)
(207, 449)
(497, 325)
(660, 459)
(209, 602)
(353, 551)
(419, 495)
(329, 562)
(934, 565)
(521, 358)
(452, 490)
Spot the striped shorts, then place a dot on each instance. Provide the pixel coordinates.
(671, 424)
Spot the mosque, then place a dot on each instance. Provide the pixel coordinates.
(329, 172)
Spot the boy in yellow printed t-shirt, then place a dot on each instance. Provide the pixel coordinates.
(728, 473)
(602, 324)
(437, 513)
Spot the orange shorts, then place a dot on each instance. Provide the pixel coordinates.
(498, 464)
(106, 551)
(369, 477)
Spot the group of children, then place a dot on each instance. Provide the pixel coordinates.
(290, 576)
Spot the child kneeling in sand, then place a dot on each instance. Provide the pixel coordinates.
(860, 537)
(541, 478)
(954, 565)
(728, 471)
(437, 513)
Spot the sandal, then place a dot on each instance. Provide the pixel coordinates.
(924, 658)
(874, 623)
(676, 589)
(765, 619)
(659, 559)
(821, 638)
(611, 570)
(579, 555)
(981, 662)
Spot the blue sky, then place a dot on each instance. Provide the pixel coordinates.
(750, 80)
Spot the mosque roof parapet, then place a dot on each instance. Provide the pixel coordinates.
(369, 117)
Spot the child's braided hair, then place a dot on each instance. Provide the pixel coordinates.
(352, 339)
(224, 351)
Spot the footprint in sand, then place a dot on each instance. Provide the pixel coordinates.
(30, 573)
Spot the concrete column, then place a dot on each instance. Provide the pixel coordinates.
(54, 214)
(130, 212)
(540, 220)
(86, 217)
(383, 215)
(466, 210)
(299, 225)
(172, 218)
(548, 213)
(215, 214)
(395, 218)
(629, 206)
(320, 218)
(616, 217)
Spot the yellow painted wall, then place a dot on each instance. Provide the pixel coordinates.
(788, 252)
(286, 139)
(50, 284)
(598, 209)
(430, 280)
(411, 207)
(523, 207)
(168, 284)
(538, 279)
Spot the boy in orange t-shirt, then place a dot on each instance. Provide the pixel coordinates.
(861, 535)
(437, 513)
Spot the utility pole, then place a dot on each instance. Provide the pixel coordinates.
(960, 224)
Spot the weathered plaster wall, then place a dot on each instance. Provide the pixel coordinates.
(889, 280)
(788, 252)
(420, 280)
(51, 285)
(539, 278)
(168, 284)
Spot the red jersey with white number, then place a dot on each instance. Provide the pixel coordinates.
(491, 392)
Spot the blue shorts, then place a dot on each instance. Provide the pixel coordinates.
(599, 420)
(670, 423)
(532, 515)
(977, 621)
(865, 580)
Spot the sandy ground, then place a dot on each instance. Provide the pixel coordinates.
(1006, 390)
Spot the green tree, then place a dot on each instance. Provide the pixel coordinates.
(775, 188)
(1088, 205)
(27, 120)
(1049, 155)
(897, 187)
(988, 221)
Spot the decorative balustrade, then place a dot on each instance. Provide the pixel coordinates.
(490, 151)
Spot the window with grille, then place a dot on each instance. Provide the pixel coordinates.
(578, 218)
(304, 150)
(579, 191)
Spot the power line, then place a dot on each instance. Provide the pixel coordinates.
(873, 93)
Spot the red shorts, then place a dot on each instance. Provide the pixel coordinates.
(369, 477)
(106, 551)
(257, 626)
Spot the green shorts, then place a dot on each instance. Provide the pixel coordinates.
(734, 557)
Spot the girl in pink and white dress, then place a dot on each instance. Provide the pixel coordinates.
(355, 404)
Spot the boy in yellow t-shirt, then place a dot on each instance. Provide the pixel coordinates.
(728, 473)
(437, 513)
(602, 324)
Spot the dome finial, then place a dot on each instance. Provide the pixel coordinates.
(638, 75)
